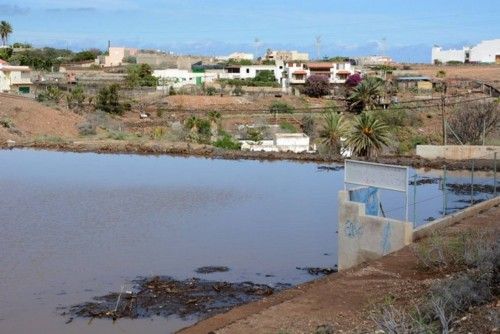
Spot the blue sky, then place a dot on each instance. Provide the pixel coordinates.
(217, 27)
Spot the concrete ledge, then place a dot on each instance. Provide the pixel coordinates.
(428, 229)
(457, 152)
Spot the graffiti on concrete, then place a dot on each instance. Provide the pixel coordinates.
(386, 239)
(353, 228)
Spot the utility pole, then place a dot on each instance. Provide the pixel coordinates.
(318, 47)
(257, 45)
(443, 113)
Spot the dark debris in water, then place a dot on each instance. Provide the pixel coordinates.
(164, 296)
(330, 168)
(465, 188)
(319, 271)
(425, 180)
(212, 269)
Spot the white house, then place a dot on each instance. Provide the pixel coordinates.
(178, 78)
(15, 78)
(282, 142)
(337, 73)
(250, 71)
(484, 52)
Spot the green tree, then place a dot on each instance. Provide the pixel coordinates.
(5, 53)
(86, 55)
(141, 75)
(76, 97)
(368, 135)
(265, 76)
(333, 129)
(365, 94)
(5, 31)
(108, 100)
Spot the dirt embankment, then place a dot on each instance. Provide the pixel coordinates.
(210, 152)
(344, 302)
(24, 119)
(485, 73)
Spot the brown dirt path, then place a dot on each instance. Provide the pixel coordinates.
(342, 300)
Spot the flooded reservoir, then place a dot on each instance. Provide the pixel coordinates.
(76, 226)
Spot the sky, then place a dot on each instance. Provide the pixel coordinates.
(402, 29)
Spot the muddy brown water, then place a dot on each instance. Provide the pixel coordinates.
(75, 226)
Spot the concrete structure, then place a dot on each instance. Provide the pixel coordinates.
(250, 71)
(286, 55)
(15, 79)
(238, 56)
(457, 152)
(116, 56)
(428, 229)
(374, 60)
(363, 238)
(282, 142)
(418, 82)
(178, 78)
(484, 52)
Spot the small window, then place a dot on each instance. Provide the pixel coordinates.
(248, 70)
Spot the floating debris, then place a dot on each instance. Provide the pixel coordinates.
(164, 296)
(319, 271)
(212, 269)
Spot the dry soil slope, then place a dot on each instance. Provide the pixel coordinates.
(29, 119)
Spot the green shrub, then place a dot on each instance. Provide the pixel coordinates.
(158, 133)
(108, 100)
(308, 125)
(211, 91)
(287, 127)
(238, 91)
(117, 135)
(278, 107)
(254, 134)
(52, 93)
(87, 129)
(7, 123)
(227, 142)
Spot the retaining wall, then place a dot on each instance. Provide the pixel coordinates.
(362, 238)
(429, 228)
(457, 152)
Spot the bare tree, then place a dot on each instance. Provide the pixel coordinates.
(472, 121)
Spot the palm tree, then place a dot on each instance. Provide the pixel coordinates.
(366, 93)
(214, 118)
(334, 128)
(5, 31)
(368, 135)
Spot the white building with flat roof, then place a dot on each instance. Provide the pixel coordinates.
(484, 52)
(178, 78)
(282, 142)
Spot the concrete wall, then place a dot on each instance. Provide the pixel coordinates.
(457, 152)
(485, 51)
(445, 56)
(362, 238)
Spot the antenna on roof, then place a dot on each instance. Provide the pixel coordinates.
(318, 47)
